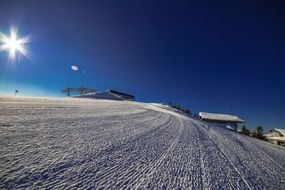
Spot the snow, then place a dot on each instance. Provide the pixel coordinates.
(281, 131)
(230, 127)
(220, 117)
(65, 143)
(276, 134)
(99, 95)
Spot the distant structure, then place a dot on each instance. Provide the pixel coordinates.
(276, 136)
(16, 91)
(82, 90)
(121, 95)
(108, 95)
(230, 121)
(68, 90)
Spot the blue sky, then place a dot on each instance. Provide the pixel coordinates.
(223, 57)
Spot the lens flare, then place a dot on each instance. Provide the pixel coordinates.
(14, 44)
(74, 68)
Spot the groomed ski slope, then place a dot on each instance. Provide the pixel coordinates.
(100, 144)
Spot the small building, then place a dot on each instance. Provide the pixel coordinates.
(121, 95)
(276, 136)
(229, 121)
(107, 95)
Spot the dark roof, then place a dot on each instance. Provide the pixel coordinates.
(121, 93)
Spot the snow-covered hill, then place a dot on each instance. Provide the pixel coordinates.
(88, 144)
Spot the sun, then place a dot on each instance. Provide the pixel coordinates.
(13, 44)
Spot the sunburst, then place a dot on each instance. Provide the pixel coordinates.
(13, 44)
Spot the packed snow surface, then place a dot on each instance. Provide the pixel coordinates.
(101, 144)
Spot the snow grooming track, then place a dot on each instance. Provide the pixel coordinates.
(229, 160)
(155, 165)
(140, 155)
(202, 168)
(61, 143)
(219, 173)
(267, 169)
(256, 170)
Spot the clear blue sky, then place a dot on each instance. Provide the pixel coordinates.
(215, 56)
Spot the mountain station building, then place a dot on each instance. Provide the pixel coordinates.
(276, 136)
(229, 121)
